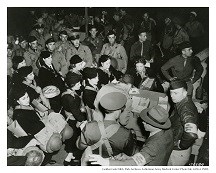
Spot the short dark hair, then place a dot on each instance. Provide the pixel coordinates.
(111, 32)
(43, 55)
(142, 31)
(16, 60)
(139, 60)
(103, 59)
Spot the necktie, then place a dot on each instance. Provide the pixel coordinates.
(185, 61)
(142, 49)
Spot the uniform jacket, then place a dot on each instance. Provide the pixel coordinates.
(185, 112)
(59, 62)
(180, 36)
(118, 52)
(121, 142)
(194, 29)
(95, 44)
(182, 72)
(64, 46)
(40, 38)
(31, 58)
(146, 52)
(83, 51)
(72, 104)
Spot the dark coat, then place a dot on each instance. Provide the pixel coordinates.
(28, 120)
(185, 112)
(48, 76)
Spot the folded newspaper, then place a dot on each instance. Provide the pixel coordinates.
(139, 104)
(147, 84)
(55, 124)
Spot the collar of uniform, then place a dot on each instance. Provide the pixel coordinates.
(114, 46)
(90, 87)
(183, 101)
(33, 51)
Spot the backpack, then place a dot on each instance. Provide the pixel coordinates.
(106, 133)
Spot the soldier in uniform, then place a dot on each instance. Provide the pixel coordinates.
(79, 49)
(63, 44)
(58, 58)
(184, 124)
(32, 54)
(119, 139)
(94, 42)
(116, 51)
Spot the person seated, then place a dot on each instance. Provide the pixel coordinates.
(21, 153)
(76, 65)
(140, 75)
(48, 76)
(23, 46)
(77, 48)
(90, 76)
(119, 139)
(58, 58)
(94, 42)
(75, 113)
(17, 62)
(106, 72)
(32, 54)
(49, 130)
(35, 93)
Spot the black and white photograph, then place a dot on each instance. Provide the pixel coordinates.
(121, 88)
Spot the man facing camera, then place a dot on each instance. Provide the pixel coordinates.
(184, 124)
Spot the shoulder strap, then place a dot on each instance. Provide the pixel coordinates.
(104, 138)
(112, 129)
(105, 135)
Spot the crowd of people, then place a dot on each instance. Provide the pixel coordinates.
(67, 86)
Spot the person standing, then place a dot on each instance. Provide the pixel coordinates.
(94, 42)
(195, 31)
(184, 124)
(119, 139)
(116, 51)
(142, 48)
(79, 49)
(58, 58)
(32, 54)
(183, 66)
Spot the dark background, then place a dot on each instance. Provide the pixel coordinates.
(18, 17)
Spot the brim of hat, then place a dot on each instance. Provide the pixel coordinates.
(144, 117)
